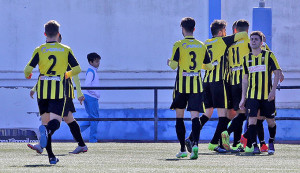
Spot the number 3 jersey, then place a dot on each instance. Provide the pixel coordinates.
(53, 59)
(189, 57)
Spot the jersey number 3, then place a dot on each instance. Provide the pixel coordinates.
(53, 64)
(193, 60)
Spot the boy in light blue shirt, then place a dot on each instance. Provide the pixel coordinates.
(91, 96)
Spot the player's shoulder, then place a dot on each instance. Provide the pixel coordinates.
(64, 46)
(212, 40)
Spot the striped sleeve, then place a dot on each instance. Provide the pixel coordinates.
(273, 62)
(245, 68)
(175, 57)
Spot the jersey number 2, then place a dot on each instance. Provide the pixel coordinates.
(53, 64)
(193, 54)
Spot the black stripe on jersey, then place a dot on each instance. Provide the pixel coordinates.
(57, 89)
(72, 61)
(192, 84)
(256, 79)
(184, 83)
(207, 58)
(198, 82)
(35, 60)
(176, 55)
(41, 89)
(49, 89)
(269, 73)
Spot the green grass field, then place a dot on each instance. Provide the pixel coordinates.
(144, 157)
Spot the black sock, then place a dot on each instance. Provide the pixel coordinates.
(49, 147)
(260, 130)
(203, 121)
(75, 130)
(222, 126)
(236, 122)
(272, 131)
(196, 127)
(180, 131)
(52, 126)
(252, 135)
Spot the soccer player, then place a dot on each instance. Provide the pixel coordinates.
(214, 84)
(257, 88)
(189, 56)
(53, 59)
(236, 52)
(72, 123)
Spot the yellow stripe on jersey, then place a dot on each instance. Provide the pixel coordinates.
(260, 69)
(53, 60)
(189, 56)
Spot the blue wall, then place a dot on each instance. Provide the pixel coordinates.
(144, 130)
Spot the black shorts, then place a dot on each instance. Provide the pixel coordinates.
(216, 94)
(267, 109)
(57, 106)
(193, 101)
(236, 96)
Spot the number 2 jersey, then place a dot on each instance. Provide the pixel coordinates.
(53, 59)
(189, 57)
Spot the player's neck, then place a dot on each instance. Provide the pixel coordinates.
(188, 34)
(48, 39)
(256, 52)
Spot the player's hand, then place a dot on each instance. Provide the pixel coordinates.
(31, 94)
(281, 77)
(242, 104)
(29, 77)
(271, 96)
(81, 99)
(168, 61)
(66, 76)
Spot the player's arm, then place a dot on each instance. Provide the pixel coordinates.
(229, 40)
(277, 71)
(244, 84)
(31, 64)
(173, 61)
(80, 96)
(207, 61)
(74, 65)
(33, 90)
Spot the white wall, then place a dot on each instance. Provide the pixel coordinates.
(130, 35)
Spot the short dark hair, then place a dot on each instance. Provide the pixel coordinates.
(258, 33)
(93, 56)
(242, 25)
(51, 28)
(188, 23)
(234, 25)
(217, 25)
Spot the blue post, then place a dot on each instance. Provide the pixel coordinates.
(262, 21)
(214, 12)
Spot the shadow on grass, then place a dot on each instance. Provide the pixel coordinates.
(36, 166)
(251, 154)
(55, 155)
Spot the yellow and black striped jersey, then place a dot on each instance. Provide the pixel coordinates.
(189, 57)
(260, 69)
(53, 59)
(236, 52)
(217, 47)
